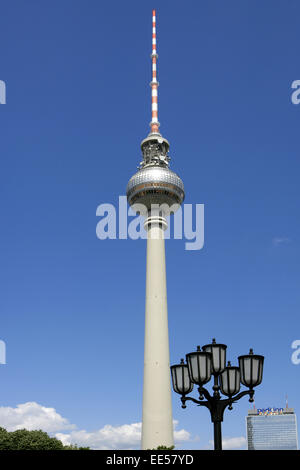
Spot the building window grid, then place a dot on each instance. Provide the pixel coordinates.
(272, 432)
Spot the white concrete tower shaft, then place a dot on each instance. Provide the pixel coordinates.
(156, 185)
(157, 423)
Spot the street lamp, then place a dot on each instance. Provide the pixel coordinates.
(211, 361)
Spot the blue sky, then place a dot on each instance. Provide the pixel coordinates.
(77, 107)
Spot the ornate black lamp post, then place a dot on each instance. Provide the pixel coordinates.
(211, 361)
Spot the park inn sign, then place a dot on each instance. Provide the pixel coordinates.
(269, 411)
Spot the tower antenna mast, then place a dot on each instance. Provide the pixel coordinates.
(154, 124)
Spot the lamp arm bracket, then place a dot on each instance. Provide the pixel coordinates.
(241, 395)
(198, 402)
(204, 392)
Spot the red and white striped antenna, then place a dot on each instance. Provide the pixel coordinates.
(154, 124)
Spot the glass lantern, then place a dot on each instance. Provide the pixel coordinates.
(251, 368)
(180, 378)
(218, 352)
(230, 380)
(199, 366)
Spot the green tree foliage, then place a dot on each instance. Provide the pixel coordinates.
(32, 440)
(165, 448)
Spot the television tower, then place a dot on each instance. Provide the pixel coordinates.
(152, 191)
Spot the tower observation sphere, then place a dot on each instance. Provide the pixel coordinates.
(154, 183)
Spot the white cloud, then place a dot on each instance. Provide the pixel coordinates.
(181, 435)
(31, 416)
(278, 241)
(232, 443)
(127, 436)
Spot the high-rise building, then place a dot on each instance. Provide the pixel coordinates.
(151, 192)
(272, 429)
